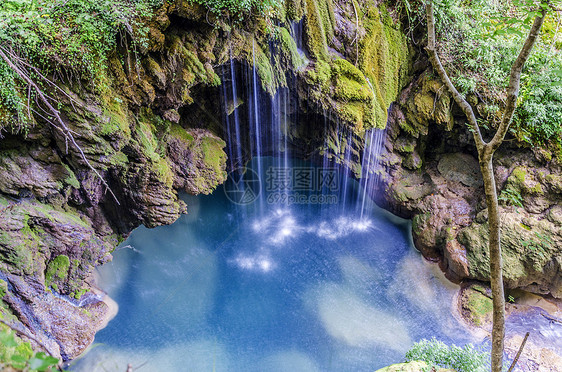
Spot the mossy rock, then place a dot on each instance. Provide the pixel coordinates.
(177, 131)
(476, 305)
(294, 9)
(3, 288)
(319, 26)
(384, 57)
(57, 271)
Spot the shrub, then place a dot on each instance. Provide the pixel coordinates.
(479, 41)
(438, 354)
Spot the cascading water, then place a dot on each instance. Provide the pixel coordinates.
(236, 103)
(370, 166)
(255, 118)
(346, 162)
(228, 125)
(297, 35)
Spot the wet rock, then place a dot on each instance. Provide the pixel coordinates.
(534, 358)
(475, 303)
(461, 168)
(445, 198)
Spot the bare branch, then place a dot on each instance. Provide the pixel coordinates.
(514, 83)
(518, 353)
(437, 66)
(17, 58)
(56, 114)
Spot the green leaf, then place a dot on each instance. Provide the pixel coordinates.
(18, 358)
(42, 361)
(8, 340)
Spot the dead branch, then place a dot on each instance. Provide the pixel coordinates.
(518, 353)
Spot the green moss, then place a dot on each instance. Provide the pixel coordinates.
(351, 84)
(71, 178)
(3, 288)
(56, 271)
(23, 249)
(78, 294)
(536, 190)
(117, 120)
(320, 75)
(119, 159)
(555, 182)
(519, 173)
(213, 153)
(147, 140)
(406, 148)
(193, 70)
(54, 214)
(264, 68)
(155, 71)
(164, 172)
(177, 131)
(478, 305)
(317, 28)
(294, 9)
(289, 50)
(419, 221)
(384, 58)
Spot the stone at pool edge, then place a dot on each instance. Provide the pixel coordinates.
(415, 366)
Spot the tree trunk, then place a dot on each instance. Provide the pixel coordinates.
(496, 276)
(485, 154)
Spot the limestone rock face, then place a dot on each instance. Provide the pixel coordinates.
(444, 196)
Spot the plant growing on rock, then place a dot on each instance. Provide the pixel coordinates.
(18, 354)
(237, 9)
(536, 10)
(438, 355)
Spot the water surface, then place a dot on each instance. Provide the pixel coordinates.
(271, 287)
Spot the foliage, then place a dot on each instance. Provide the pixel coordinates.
(70, 38)
(538, 247)
(237, 9)
(438, 354)
(478, 42)
(19, 355)
(511, 196)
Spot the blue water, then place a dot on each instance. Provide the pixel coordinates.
(305, 287)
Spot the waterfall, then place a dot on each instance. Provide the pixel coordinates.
(346, 165)
(257, 124)
(297, 35)
(255, 119)
(228, 129)
(370, 166)
(236, 103)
